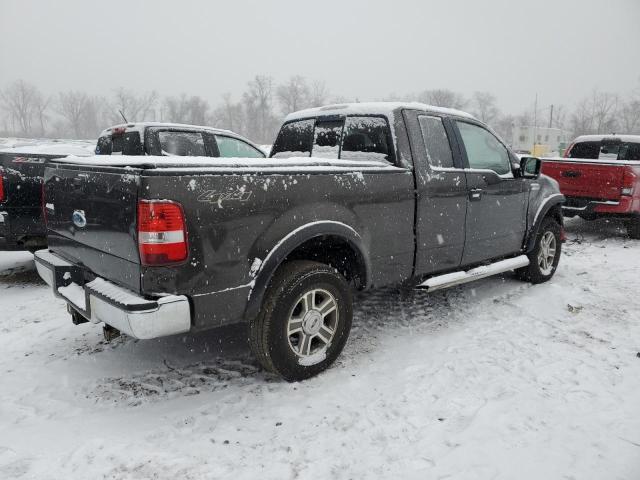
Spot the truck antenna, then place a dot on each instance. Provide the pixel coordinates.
(123, 117)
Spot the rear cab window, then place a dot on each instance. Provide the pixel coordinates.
(126, 143)
(347, 138)
(606, 150)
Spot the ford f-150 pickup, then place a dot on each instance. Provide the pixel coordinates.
(352, 197)
(600, 177)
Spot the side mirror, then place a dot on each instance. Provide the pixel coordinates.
(530, 167)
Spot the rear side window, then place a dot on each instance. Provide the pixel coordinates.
(121, 144)
(484, 151)
(436, 142)
(585, 150)
(230, 147)
(181, 144)
(366, 138)
(326, 141)
(294, 140)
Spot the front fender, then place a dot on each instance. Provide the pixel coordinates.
(542, 201)
(285, 246)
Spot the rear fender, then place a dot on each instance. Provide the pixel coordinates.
(287, 244)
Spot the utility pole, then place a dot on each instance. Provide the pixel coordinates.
(551, 117)
(535, 124)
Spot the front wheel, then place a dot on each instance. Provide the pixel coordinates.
(304, 322)
(544, 258)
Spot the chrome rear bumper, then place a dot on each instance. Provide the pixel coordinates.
(103, 301)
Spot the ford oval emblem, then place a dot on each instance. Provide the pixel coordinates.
(79, 220)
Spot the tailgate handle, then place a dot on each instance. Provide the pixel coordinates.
(475, 194)
(571, 174)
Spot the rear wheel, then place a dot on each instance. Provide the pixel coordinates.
(633, 228)
(544, 258)
(304, 322)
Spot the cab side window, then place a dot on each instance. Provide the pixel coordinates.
(181, 144)
(367, 138)
(436, 142)
(484, 150)
(230, 147)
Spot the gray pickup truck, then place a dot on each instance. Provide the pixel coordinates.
(352, 197)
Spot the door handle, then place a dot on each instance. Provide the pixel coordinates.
(475, 194)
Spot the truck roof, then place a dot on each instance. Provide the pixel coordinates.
(612, 136)
(139, 126)
(372, 108)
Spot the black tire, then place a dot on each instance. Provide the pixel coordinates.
(268, 332)
(633, 228)
(534, 272)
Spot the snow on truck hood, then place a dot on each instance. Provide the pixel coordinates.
(229, 164)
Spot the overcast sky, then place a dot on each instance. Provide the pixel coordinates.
(561, 49)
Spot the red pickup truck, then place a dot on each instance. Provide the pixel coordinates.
(600, 177)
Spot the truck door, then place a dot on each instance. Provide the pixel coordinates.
(496, 200)
(440, 193)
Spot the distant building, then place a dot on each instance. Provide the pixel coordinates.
(540, 140)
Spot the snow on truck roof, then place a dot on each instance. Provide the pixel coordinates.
(142, 125)
(372, 108)
(612, 136)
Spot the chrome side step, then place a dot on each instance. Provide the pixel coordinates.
(458, 278)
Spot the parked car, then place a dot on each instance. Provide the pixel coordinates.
(353, 196)
(21, 222)
(21, 170)
(174, 139)
(600, 177)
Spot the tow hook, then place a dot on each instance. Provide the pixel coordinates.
(110, 333)
(76, 318)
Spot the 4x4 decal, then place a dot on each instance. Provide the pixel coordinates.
(212, 196)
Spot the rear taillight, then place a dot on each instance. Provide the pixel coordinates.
(162, 234)
(2, 199)
(629, 179)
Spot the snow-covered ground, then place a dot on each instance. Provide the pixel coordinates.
(497, 379)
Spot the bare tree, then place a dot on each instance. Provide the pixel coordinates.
(72, 106)
(26, 106)
(605, 107)
(176, 109)
(136, 108)
(595, 114)
(630, 117)
(504, 127)
(484, 106)
(443, 97)
(258, 103)
(293, 95)
(229, 115)
(319, 94)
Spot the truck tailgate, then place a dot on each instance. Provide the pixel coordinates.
(91, 219)
(602, 181)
